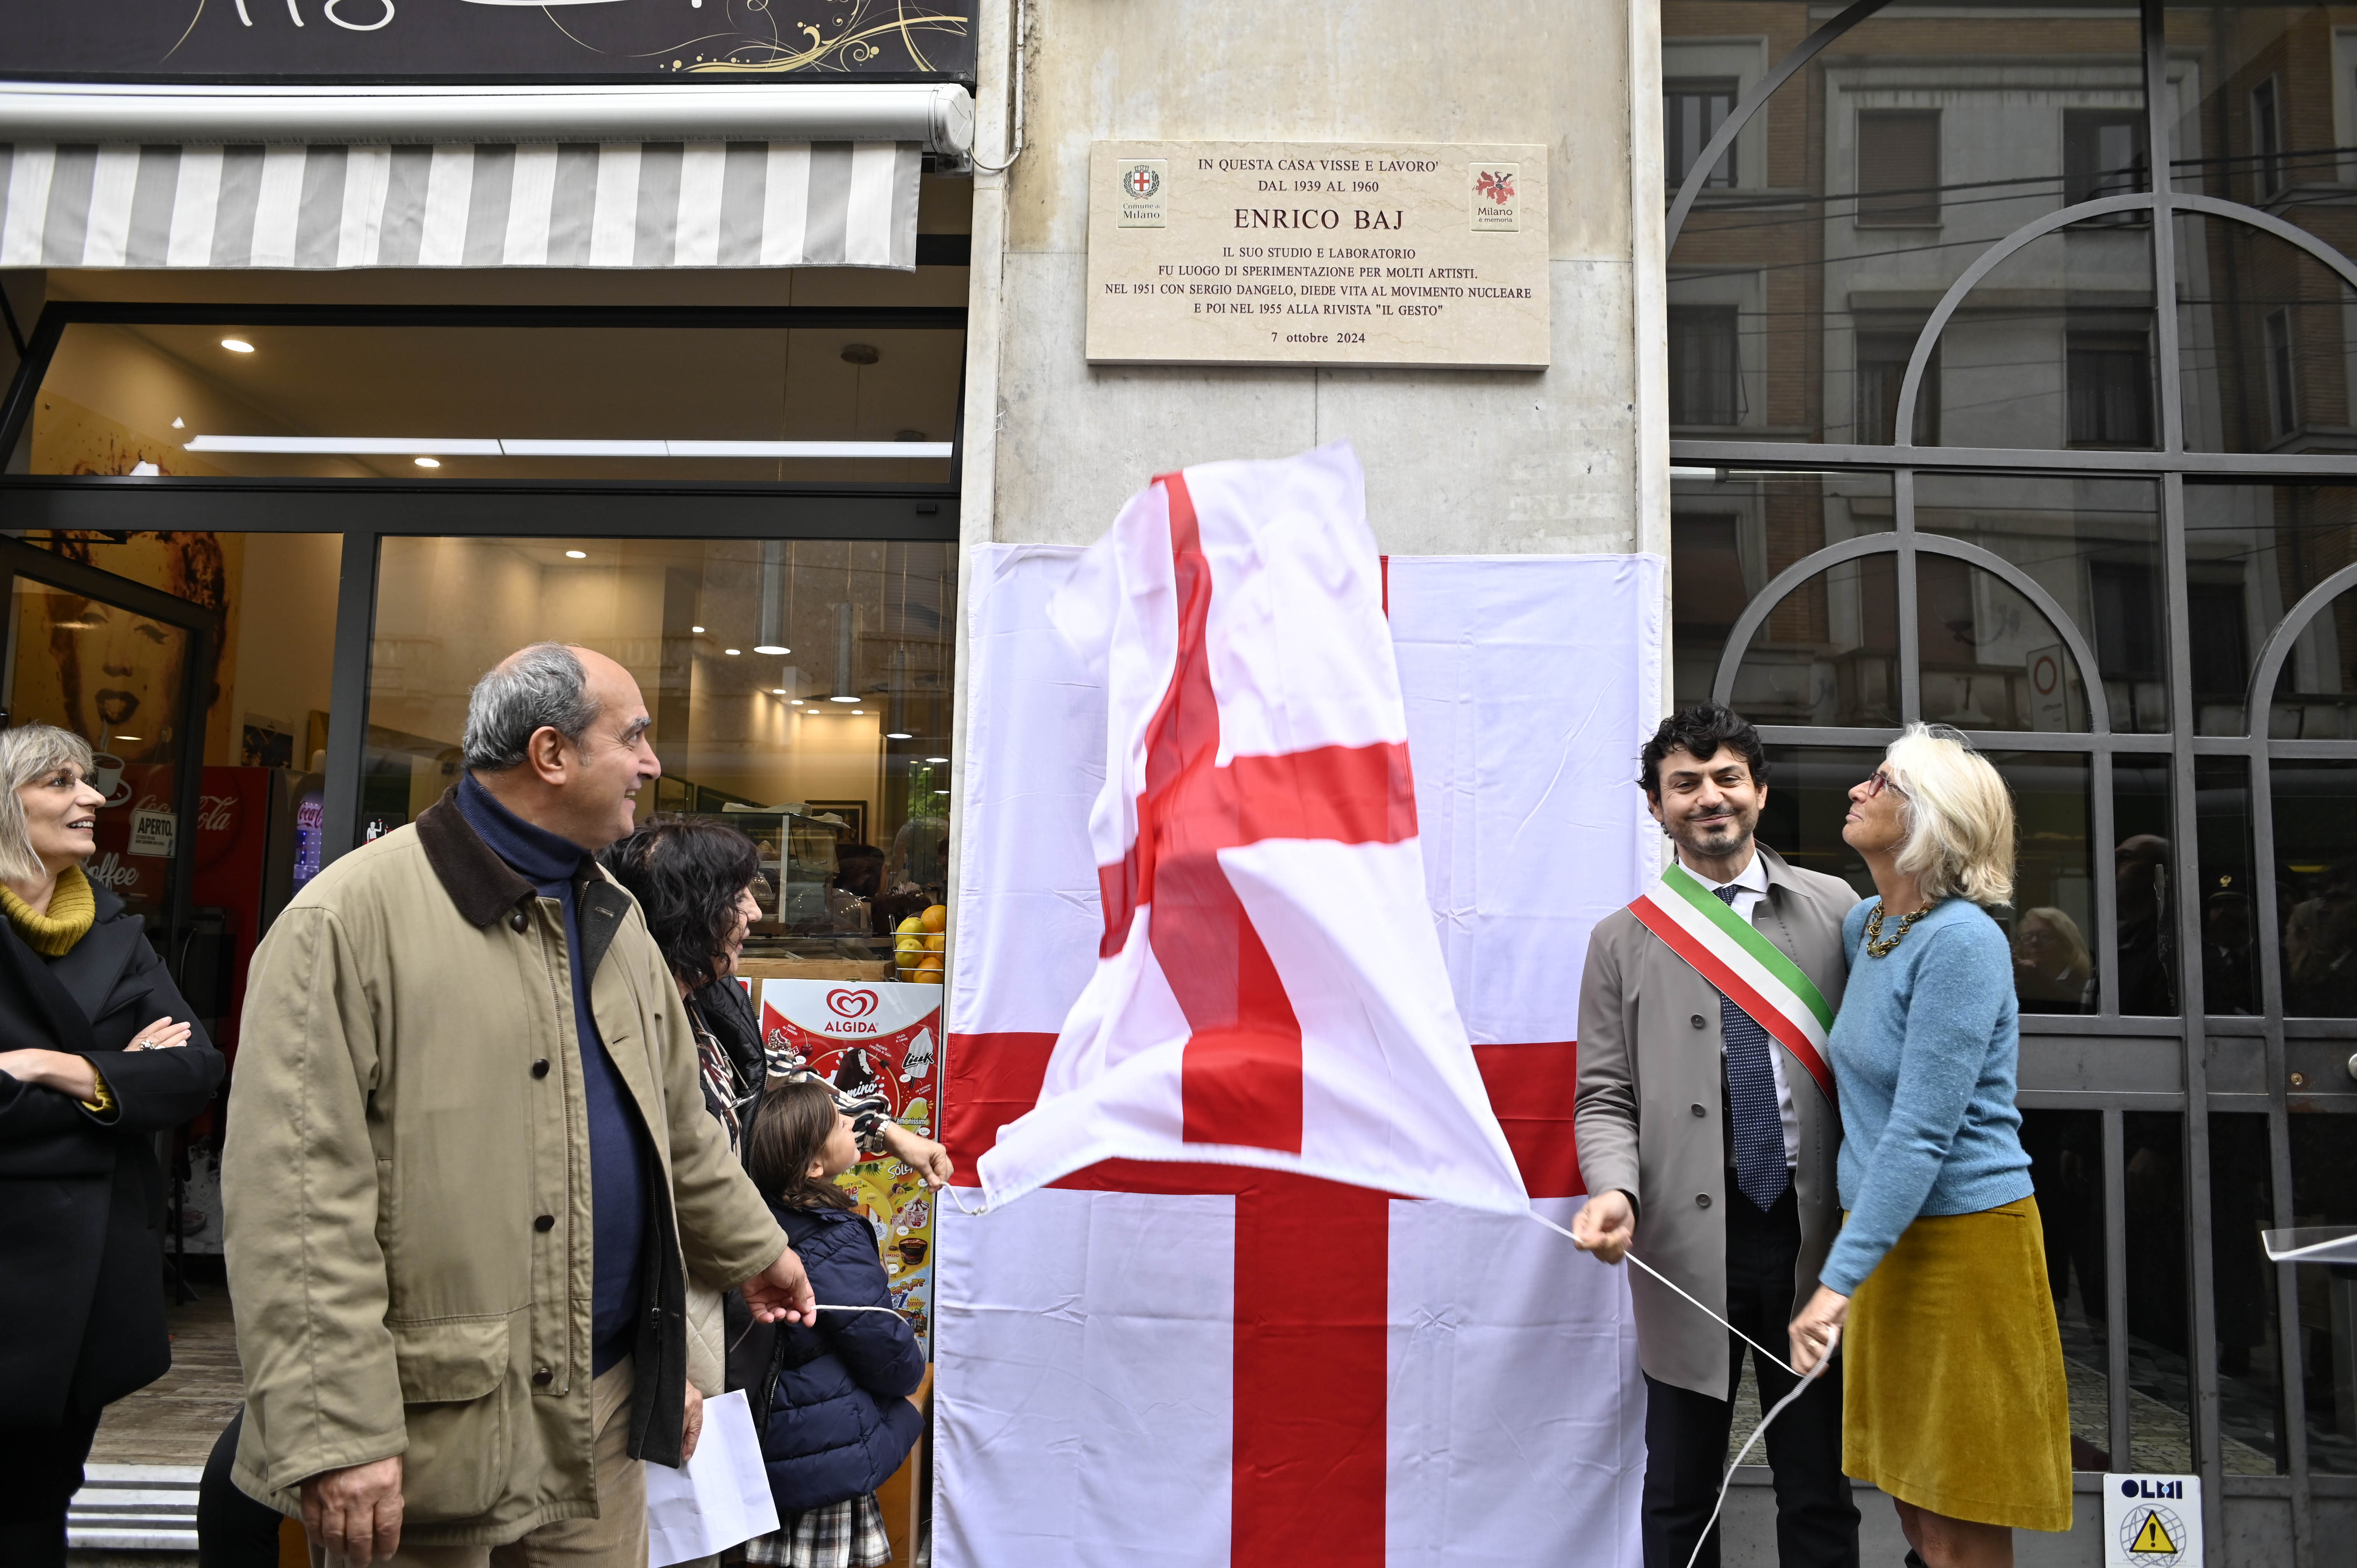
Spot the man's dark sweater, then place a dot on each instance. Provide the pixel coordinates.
(617, 1194)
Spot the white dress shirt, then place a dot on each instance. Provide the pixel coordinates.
(1750, 886)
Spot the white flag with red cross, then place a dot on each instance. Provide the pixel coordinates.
(1159, 1360)
(1269, 991)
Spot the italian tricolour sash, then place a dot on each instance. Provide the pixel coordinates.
(1747, 967)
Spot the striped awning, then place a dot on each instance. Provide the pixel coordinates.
(645, 204)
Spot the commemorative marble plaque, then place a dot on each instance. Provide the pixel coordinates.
(1334, 253)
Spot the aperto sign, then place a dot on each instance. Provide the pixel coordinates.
(484, 40)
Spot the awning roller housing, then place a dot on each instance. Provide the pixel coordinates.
(937, 117)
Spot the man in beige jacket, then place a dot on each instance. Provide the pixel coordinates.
(469, 1171)
(1708, 1148)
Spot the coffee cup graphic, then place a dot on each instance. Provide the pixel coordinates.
(105, 774)
(912, 1250)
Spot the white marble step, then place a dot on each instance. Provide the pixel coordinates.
(135, 1507)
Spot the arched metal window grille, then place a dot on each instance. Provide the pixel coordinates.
(2102, 1060)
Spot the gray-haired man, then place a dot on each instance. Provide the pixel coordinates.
(469, 1164)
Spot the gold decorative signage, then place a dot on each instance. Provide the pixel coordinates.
(1341, 253)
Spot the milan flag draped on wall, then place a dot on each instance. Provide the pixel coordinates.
(1199, 1363)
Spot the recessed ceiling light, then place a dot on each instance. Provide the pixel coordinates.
(777, 691)
(795, 703)
(732, 653)
(937, 759)
(576, 555)
(859, 712)
(237, 345)
(120, 736)
(860, 354)
(897, 734)
(428, 462)
(698, 630)
(770, 647)
(842, 699)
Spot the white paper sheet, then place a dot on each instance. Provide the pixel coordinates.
(721, 1497)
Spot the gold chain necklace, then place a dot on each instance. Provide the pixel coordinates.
(1876, 946)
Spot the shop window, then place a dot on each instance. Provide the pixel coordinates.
(2316, 885)
(1828, 653)
(2249, 1350)
(2052, 923)
(1989, 658)
(502, 402)
(2103, 155)
(2220, 644)
(1808, 796)
(800, 691)
(2254, 550)
(2324, 1192)
(2127, 618)
(2266, 140)
(2160, 1427)
(117, 659)
(1881, 371)
(2145, 867)
(2315, 692)
(2230, 960)
(2110, 382)
(1729, 533)
(1706, 572)
(2094, 546)
(2066, 1164)
(2264, 333)
(2283, 412)
(1692, 113)
(1898, 166)
(1705, 365)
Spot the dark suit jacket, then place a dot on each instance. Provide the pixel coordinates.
(81, 1197)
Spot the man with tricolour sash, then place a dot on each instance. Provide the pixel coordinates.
(1707, 1126)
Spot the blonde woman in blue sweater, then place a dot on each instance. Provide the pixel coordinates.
(1953, 1398)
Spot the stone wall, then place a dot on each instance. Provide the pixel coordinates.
(1458, 461)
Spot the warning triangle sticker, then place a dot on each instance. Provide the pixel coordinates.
(2154, 1536)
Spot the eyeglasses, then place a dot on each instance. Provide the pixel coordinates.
(1878, 781)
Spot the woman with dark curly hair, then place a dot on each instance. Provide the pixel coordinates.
(696, 881)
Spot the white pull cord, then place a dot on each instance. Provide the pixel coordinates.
(823, 1306)
(1673, 1285)
(1811, 1375)
(1832, 1339)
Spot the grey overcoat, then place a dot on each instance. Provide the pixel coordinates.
(1650, 1111)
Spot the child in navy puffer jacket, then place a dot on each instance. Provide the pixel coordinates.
(841, 1414)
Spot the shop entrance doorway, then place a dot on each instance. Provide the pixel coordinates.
(126, 667)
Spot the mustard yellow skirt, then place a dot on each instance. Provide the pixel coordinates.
(1953, 1392)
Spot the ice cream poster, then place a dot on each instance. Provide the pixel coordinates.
(879, 1037)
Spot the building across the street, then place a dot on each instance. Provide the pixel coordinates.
(1985, 363)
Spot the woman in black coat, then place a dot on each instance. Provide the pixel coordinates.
(98, 1053)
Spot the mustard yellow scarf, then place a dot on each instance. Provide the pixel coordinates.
(72, 907)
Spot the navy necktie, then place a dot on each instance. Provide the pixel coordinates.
(1751, 1107)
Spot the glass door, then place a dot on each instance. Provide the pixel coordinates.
(118, 664)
